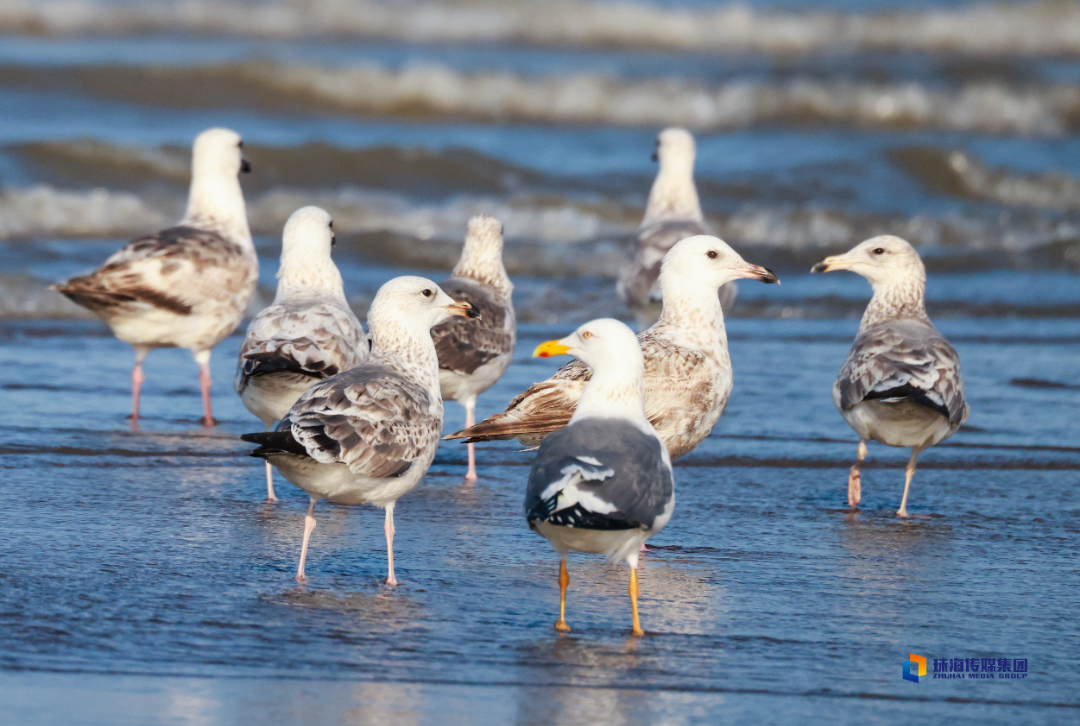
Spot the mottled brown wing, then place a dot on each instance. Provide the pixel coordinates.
(173, 270)
(465, 344)
(904, 359)
(370, 418)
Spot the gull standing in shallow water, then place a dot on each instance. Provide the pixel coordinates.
(474, 355)
(187, 286)
(900, 384)
(687, 367)
(309, 333)
(672, 213)
(368, 435)
(603, 483)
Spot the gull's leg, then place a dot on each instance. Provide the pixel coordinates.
(270, 483)
(470, 420)
(564, 582)
(137, 379)
(909, 471)
(854, 482)
(309, 527)
(203, 359)
(388, 527)
(633, 601)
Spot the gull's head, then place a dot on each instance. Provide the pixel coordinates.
(881, 260)
(708, 261)
(219, 151)
(417, 301)
(675, 148)
(309, 232)
(603, 345)
(484, 232)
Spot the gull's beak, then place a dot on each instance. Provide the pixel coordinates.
(831, 264)
(245, 166)
(462, 309)
(757, 272)
(550, 348)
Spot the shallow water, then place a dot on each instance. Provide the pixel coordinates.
(145, 580)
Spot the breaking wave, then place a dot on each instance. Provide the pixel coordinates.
(1037, 28)
(432, 91)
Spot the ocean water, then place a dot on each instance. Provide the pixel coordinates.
(144, 580)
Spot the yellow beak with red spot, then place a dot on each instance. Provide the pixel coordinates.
(550, 348)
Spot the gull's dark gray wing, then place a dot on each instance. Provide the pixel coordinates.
(904, 359)
(599, 474)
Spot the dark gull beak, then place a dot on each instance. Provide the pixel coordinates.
(757, 272)
(463, 309)
(830, 264)
(245, 166)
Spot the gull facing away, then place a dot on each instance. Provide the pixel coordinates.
(309, 332)
(687, 367)
(369, 434)
(602, 484)
(187, 286)
(474, 355)
(672, 213)
(900, 384)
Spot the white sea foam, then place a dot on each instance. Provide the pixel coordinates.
(1036, 28)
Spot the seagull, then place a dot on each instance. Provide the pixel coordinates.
(602, 484)
(309, 333)
(369, 434)
(900, 384)
(687, 367)
(474, 356)
(187, 286)
(673, 213)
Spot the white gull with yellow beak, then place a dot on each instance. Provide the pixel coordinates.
(602, 484)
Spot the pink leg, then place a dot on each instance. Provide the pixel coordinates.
(309, 527)
(388, 527)
(137, 379)
(204, 384)
(470, 420)
(270, 483)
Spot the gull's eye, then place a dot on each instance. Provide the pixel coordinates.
(711, 254)
(240, 144)
(879, 251)
(586, 335)
(331, 224)
(427, 292)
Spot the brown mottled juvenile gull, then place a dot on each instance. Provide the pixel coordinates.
(673, 213)
(309, 333)
(473, 355)
(368, 435)
(687, 367)
(187, 286)
(603, 483)
(900, 384)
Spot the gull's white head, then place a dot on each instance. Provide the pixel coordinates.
(707, 262)
(884, 261)
(675, 148)
(219, 152)
(415, 303)
(305, 252)
(612, 351)
(481, 258)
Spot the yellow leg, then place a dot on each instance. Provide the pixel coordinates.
(564, 582)
(633, 602)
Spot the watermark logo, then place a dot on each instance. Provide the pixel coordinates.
(967, 668)
(920, 668)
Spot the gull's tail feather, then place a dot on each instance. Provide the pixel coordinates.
(513, 425)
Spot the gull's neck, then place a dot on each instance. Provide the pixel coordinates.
(302, 274)
(407, 350)
(216, 202)
(481, 260)
(614, 394)
(673, 194)
(902, 299)
(691, 315)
